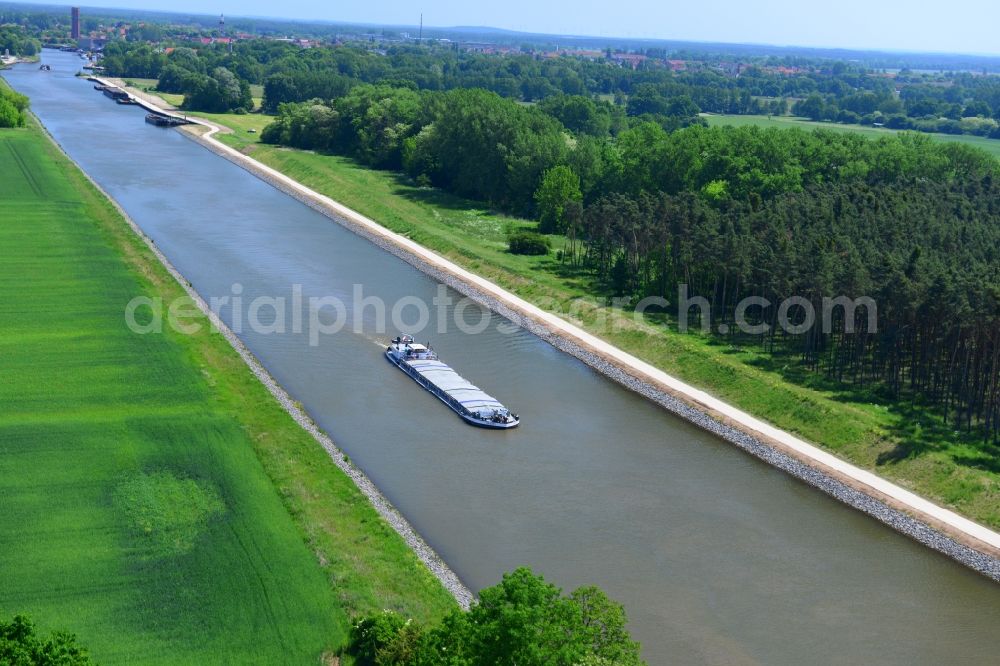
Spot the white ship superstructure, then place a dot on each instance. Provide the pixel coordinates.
(470, 402)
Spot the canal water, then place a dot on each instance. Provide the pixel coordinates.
(717, 557)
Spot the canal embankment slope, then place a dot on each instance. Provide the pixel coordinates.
(940, 528)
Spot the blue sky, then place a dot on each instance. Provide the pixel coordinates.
(972, 26)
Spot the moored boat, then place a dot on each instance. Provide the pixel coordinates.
(116, 94)
(470, 402)
(165, 121)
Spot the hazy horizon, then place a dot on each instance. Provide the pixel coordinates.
(853, 24)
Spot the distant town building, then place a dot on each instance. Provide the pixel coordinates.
(74, 13)
(91, 43)
(632, 60)
(489, 48)
(733, 69)
(574, 53)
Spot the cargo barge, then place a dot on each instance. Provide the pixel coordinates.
(467, 400)
(117, 94)
(165, 121)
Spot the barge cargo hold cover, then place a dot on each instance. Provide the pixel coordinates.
(469, 401)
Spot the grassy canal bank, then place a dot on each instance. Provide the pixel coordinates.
(157, 500)
(900, 441)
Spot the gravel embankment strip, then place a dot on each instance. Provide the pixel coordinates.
(925, 529)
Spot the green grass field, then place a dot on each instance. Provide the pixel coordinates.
(149, 86)
(991, 146)
(240, 124)
(156, 499)
(946, 468)
(173, 99)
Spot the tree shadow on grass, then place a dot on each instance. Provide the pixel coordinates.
(918, 428)
(432, 196)
(786, 362)
(921, 429)
(578, 276)
(916, 432)
(987, 463)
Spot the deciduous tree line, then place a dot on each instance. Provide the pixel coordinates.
(523, 620)
(821, 90)
(17, 41)
(12, 107)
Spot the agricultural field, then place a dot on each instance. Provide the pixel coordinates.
(157, 501)
(855, 427)
(991, 146)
